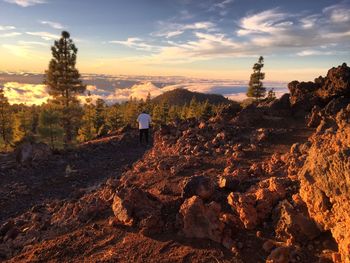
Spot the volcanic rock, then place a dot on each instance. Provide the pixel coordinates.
(325, 181)
(257, 203)
(305, 95)
(201, 186)
(336, 84)
(293, 225)
(202, 220)
(131, 205)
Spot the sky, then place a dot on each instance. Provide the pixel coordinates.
(214, 39)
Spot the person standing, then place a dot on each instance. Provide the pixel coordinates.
(144, 121)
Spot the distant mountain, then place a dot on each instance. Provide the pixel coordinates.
(181, 97)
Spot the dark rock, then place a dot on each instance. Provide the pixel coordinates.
(281, 106)
(336, 84)
(201, 186)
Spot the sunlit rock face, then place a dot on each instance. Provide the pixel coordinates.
(325, 178)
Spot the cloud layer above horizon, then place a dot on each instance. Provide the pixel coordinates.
(29, 90)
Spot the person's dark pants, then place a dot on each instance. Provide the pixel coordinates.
(144, 133)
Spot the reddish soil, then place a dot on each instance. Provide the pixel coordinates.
(97, 240)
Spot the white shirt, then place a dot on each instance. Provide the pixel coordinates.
(144, 120)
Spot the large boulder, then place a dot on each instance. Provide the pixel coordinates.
(302, 96)
(202, 220)
(134, 207)
(249, 116)
(281, 106)
(325, 179)
(201, 186)
(337, 83)
(305, 95)
(254, 206)
(293, 224)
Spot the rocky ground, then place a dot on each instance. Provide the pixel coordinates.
(266, 184)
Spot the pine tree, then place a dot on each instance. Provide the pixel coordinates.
(131, 112)
(49, 127)
(6, 119)
(114, 117)
(256, 88)
(17, 132)
(100, 116)
(87, 130)
(184, 112)
(157, 115)
(206, 110)
(193, 110)
(64, 84)
(164, 113)
(174, 113)
(24, 122)
(148, 103)
(34, 115)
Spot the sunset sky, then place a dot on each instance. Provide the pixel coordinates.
(299, 39)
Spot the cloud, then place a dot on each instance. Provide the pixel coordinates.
(204, 46)
(221, 7)
(5, 28)
(134, 42)
(139, 91)
(309, 21)
(270, 32)
(25, 3)
(223, 4)
(28, 88)
(312, 52)
(17, 50)
(44, 35)
(170, 30)
(227, 89)
(269, 21)
(26, 49)
(11, 34)
(25, 93)
(275, 30)
(54, 25)
(338, 13)
(32, 43)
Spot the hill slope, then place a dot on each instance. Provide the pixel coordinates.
(181, 97)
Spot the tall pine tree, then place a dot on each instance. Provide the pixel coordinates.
(256, 88)
(64, 84)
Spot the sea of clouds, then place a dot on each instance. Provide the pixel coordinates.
(28, 88)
